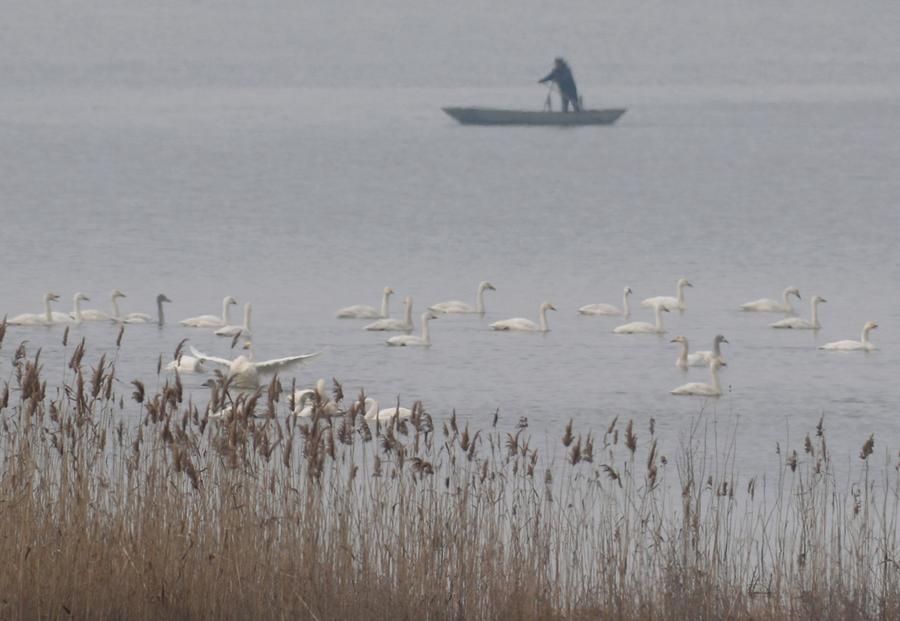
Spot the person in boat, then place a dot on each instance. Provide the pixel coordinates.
(562, 76)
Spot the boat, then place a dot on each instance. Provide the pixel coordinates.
(495, 116)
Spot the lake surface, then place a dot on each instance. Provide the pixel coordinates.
(296, 157)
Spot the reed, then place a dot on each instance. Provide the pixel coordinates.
(130, 503)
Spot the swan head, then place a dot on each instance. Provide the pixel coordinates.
(82, 297)
(247, 345)
(117, 294)
(388, 291)
(407, 300)
(628, 291)
(720, 339)
(684, 283)
(716, 363)
(679, 339)
(663, 308)
(547, 306)
(485, 285)
(162, 298)
(792, 291)
(210, 383)
(428, 315)
(50, 297)
(818, 299)
(230, 300)
(870, 325)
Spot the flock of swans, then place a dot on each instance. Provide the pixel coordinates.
(245, 371)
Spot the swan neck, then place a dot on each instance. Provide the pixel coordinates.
(717, 352)
(658, 317)
(680, 294)
(682, 357)
(865, 335)
(479, 301)
(161, 318)
(225, 306)
(426, 337)
(815, 312)
(544, 327)
(625, 308)
(372, 411)
(787, 302)
(384, 303)
(714, 370)
(115, 305)
(408, 320)
(76, 310)
(47, 314)
(247, 312)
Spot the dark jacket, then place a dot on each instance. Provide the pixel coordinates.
(562, 75)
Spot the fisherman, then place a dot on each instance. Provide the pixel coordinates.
(562, 75)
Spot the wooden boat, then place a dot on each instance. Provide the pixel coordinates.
(494, 116)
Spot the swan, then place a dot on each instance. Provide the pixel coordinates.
(361, 311)
(526, 325)
(92, 314)
(608, 309)
(187, 364)
(36, 319)
(245, 371)
(235, 330)
(395, 325)
(716, 353)
(409, 340)
(767, 305)
(385, 415)
(304, 401)
(861, 345)
(144, 318)
(76, 314)
(212, 321)
(642, 327)
(456, 306)
(802, 324)
(686, 359)
(669, 302)
(703, 390)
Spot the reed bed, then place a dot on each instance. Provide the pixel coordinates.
(121, 502)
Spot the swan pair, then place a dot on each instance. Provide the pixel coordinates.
(118, 317)
(361, 311)
(608, 309)
(768, 305)
(642, 327)
(796, 323)
(212, 321)
(246, 372)
(520, 324)
(863, 344)
(304, 402)
(700, 358)
(458, 307)
(703, 390)
(410, 340)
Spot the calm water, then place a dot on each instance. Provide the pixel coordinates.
(297, 157)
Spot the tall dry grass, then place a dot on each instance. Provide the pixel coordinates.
(257, 515)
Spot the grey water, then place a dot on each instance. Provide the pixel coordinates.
(294, 155)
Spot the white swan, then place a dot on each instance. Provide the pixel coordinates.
(212, 321)
(863, 344)
(676, 303)
(246, 372)
(526, 325)
(92, 314)
(143, 317)
(716, 353)
(76, 315)
(361, 311)
(703, 390)
(802, 324)
(457, 306)
(385, 415)
(304, 401)
(409, 340)
(187, 364)
(395, 325)
(608, 309)
(36, 319)
(242, 329)
(686, 359)
(767, 305)
(642, 327)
